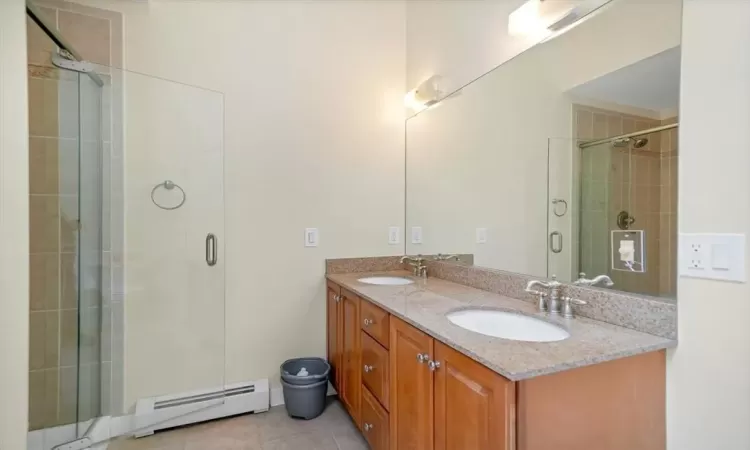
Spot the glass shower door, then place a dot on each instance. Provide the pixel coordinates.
(599, 197)
(587, 188)
(563, 206)
(90, 254)
(169, 181)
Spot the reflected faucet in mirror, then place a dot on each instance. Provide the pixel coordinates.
(417, 265)
(442, 257)
(601, 280)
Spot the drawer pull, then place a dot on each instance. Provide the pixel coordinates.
(368, 426)
(369, 322)
(423, 358)
(433, 365)
(369, 369)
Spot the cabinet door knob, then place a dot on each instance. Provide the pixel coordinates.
(368, 426)
(369, 322)
(337, 297)
(368, 369)
(423, 357)
(433, 365)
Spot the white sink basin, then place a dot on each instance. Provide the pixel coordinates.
(386, 281)
(507, 325)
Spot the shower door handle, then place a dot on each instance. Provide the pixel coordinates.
(556, 248)
(212, 250)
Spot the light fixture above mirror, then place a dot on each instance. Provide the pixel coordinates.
(544, 17)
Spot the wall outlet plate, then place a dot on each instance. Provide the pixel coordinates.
(394, 235)
(311, 237)
(639, 259)
(713, 256)
(416, 235)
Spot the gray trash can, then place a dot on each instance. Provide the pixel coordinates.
(318, 369)
(305, 396)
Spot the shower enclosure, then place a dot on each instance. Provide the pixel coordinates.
(126, 234)
(618, 186)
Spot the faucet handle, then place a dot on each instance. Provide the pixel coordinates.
(568, 302)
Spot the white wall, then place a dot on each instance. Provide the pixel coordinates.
(459, 39)
(479, 159)
(313, 138)
(709, 373)
(14, 227)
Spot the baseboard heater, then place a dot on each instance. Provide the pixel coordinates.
(158, 413)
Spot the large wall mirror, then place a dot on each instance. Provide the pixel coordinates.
(563, 160)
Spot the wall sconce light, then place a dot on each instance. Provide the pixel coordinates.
(425, 95)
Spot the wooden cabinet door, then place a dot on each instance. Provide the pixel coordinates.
(351, 369)
(375, 368)
(411, 405)
(332, 332)
(374, 422)
(473, 405)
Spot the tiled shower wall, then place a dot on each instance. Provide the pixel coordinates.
(54, 175)
(640, 181)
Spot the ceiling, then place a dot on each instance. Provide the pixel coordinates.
(652, 83)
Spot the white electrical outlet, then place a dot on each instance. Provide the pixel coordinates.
(311, 237)
(394, 235)
(697, 257)
(713, 256)
(416, 235)
(481, 235)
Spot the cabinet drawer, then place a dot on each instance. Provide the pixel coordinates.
(375, 322)
(375, 368)
(374, 422)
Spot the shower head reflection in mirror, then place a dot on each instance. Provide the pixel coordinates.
(497, 155)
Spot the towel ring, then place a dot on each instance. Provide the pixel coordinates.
(556, 201)
(168, 185)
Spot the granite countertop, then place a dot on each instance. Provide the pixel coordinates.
(425, 303)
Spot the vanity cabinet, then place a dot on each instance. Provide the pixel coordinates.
(474, 406)
(343, 346)
(333, 348)
(412, 386)
(351, 369)
(408, 391)
(443, 400)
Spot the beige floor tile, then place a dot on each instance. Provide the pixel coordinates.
(307, 441)
(351, 440)
(273, 430)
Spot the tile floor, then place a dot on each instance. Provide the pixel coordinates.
(273, 430)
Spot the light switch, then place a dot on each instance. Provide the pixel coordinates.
(311, 237)
(481, 235)
(416, 235)
(713, 256)
(720, 257)
(394, 235)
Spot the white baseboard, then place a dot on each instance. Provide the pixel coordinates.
(277, 394)
(100, 432)
(47, 438)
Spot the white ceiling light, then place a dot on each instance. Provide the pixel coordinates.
(542, 17)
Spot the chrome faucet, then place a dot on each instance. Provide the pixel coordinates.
(548, 301)
(603, 280)
(553, 301)
(442, 257)
(417, 265)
